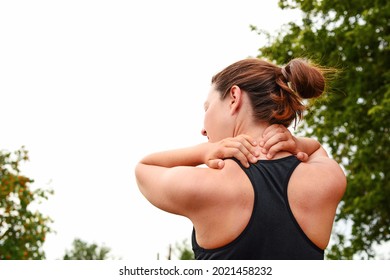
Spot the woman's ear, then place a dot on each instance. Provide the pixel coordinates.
(235, 99)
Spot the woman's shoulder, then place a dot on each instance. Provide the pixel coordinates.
(321, 179)
(314, 192)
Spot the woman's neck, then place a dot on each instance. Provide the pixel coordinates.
(252, 129)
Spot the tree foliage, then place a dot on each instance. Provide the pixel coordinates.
(183, 251)
(353, 120)
(22, 230)
(81, 250)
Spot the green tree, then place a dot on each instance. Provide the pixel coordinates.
(353, 121)
(22, 230)
(81, 250)
(183, 251)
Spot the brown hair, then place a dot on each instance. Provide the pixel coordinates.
(276, 93)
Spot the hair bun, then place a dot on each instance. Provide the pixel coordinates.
(306, 78)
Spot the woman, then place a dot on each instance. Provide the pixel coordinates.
(247, 206)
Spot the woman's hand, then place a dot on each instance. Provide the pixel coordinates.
(242, 147)
(278, 138)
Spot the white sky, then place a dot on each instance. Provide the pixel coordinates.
(90, 87)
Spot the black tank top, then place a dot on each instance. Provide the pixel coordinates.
(272, 232)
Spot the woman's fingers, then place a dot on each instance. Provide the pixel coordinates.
(246, 145)
(216, 163)
(277, 143)
(278, 138)
(271, 131)
(243, 147)
(302, 156)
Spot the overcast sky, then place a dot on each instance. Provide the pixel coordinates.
(90, 87)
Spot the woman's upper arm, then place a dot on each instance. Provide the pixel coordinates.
(179, 190)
